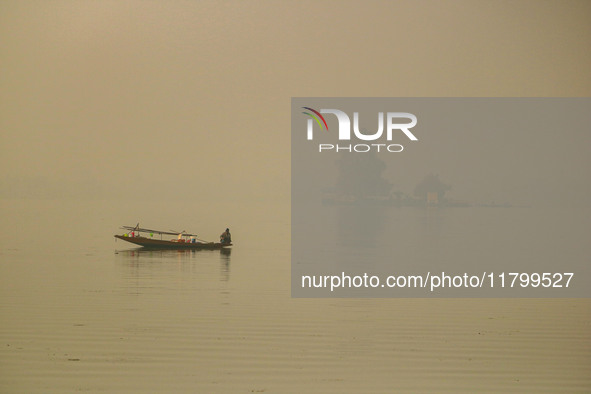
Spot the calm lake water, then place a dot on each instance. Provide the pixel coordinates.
(82, 312)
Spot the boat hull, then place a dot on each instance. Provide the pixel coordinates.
(162, 244)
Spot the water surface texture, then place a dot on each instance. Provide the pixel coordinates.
(82, 312)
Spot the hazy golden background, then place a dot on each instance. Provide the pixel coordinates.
(190, 100)
(110, 98)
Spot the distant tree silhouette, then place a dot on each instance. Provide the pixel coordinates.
(361, 174)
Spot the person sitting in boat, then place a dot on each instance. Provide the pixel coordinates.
(225, 237)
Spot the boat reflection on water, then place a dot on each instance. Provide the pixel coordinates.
(167, 252)
(225, 264)
(191, 263)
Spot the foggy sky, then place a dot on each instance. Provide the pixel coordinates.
(186, 99)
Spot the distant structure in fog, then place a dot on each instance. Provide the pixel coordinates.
(360, 182)
(431, 189)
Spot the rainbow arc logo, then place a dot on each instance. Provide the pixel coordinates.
(315, 115)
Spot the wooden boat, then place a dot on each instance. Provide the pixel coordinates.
(183, 239)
